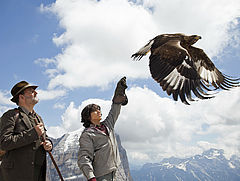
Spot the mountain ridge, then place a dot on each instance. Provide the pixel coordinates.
(211, 165)
(65, 153)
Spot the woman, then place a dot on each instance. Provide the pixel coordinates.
(98, 156)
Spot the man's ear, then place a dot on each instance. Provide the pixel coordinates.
(20, 96)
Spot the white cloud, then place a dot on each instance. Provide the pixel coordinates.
(210, 19)
(3, 109)
(50, 94)
(59, 105)
(152, 127)
(4, 99)
(5, 102)
(71, 118)
(55, 131)
(100, 36)
(45, 61)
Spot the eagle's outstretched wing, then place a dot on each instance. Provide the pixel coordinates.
(181, 69)
(209, 73)
(172, 67)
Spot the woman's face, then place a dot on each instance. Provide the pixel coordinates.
(96, 116)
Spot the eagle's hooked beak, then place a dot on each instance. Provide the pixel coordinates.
(198, 37)
(195, 38)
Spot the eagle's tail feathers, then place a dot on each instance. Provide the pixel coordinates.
(143, 51)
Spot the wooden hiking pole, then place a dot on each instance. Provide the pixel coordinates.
(55, 164)
(51, 156)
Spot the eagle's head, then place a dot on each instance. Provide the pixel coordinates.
(190, 40)
(185, 39)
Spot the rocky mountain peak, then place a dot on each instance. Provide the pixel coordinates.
(65, 152)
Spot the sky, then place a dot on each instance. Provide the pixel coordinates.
(77, 50)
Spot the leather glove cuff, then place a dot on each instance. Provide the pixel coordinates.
(119, 95)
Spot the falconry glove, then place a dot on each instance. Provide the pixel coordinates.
(119, 95)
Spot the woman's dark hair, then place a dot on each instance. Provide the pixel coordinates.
(86, 114)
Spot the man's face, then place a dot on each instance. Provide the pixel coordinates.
(30, 96)
(96, 116)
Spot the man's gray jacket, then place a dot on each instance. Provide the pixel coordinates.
(98, 153)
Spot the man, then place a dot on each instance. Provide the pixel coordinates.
(21, 132)
(98, 156)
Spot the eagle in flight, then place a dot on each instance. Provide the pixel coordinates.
(181, 68)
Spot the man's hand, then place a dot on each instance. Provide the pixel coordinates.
(47, 145)
(40, 129)
(119, 95)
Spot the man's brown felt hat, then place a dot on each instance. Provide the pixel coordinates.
(18, 88)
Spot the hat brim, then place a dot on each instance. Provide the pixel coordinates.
(14, 99)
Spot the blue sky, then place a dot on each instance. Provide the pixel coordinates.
(76, 51)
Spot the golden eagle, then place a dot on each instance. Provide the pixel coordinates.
(181, 68)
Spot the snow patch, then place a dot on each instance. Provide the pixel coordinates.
(72, 138)
(231, 165)
(168, 165)
(182, 166)
(214, 155)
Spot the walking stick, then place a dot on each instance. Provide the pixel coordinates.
(55, 164)
(51, 156)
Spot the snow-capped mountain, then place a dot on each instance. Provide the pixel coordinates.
(211, 165)
(65, 152)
